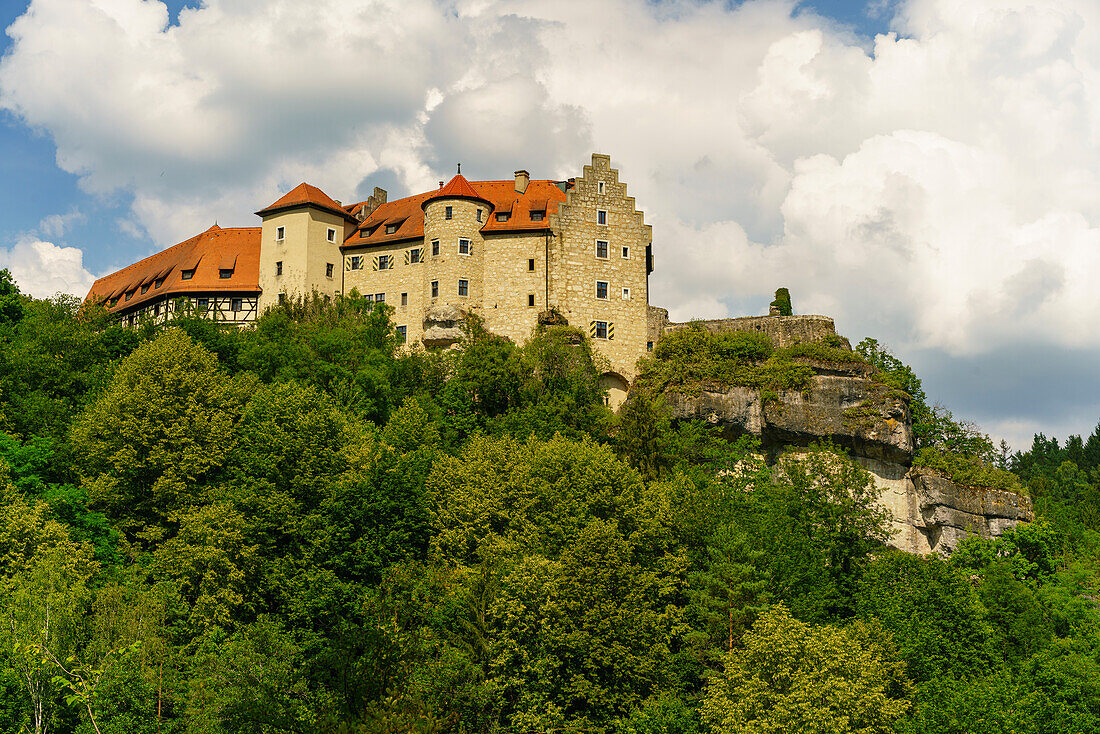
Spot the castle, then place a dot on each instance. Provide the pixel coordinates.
(506, 250)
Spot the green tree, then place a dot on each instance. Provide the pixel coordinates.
(791, 676)
(163, 427)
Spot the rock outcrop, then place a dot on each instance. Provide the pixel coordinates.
(843, 404)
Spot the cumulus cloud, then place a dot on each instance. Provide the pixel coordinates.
(43, 269)
(936, 186)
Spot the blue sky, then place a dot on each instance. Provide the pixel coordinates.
(937, 188)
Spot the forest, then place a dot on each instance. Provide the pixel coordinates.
(305, 527)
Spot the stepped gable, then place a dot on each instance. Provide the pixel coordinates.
(306, 195)
(408, 214)
(216, 249)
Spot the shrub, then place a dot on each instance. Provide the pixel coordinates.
(969, 470)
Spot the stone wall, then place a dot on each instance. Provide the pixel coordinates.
(783, 330)
(575, 265)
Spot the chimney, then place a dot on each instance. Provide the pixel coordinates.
(440, 184)
(522, 179)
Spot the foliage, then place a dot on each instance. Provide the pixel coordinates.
(792, 676)
(782, 302)
(304, 527)
(968, 470)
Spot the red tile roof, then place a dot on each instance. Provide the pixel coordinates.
(215, 249)
(305, 195)
(540, 196)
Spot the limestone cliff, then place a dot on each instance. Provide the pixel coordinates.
(844, 404)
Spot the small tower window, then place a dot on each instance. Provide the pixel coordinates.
(448, 213)
(626, 252)
(530, 300)
(463, 287)
(435, 289)
(601, 289)
(331, 234)
(280, 234)
(404, 299)
(599, 187)
(531, 264)
(601, 216)
(626, 294)
(479, 215)
(464, 247)
(278, 267)
(601, 249)
(329, 267)
(435, 248)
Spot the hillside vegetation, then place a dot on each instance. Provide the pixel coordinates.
(302, 528)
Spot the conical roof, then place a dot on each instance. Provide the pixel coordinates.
(457, 188)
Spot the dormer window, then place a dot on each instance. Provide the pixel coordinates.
(502, 216)
(159, 283)
(537, 216)
(225, 274)
(187, 274)
(129, 295)
(280, 234)
(145, 289)
(391, 228)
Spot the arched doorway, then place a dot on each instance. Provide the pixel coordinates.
(616, 387)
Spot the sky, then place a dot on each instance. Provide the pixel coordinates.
(926, 172)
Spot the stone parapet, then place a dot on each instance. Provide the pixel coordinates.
(784, 331)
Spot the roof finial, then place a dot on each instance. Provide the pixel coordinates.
(459, 169)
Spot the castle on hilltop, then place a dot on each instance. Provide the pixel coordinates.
(509, 251)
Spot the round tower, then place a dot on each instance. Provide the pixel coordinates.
(454, 256)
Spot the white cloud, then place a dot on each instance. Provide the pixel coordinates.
(56, 225)
(43, 269)
(938, 186)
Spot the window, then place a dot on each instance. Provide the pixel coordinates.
(435, 248)
(187, 274)
(601, 289)
(402, 334)
(280, 234)
(385, 262)
(391, 228)
(145, 288)
(404, 299)
(369, 298)
(129, 295)
(530, 300)
(463, 287)
(236, 305)
(282, 298)
(649, 346)
(415, 255)
(278, 267)
(626, 252)
(537, 216)
(355, 262)
(225, 274)
(601, 216)
(463, 247)
(626, 294)
(130, 319)
(435, 289)
(599, 187)
(599, 329)
(202, 304)
(379, 297)
(502, 216)
(331, 234)
(531, 264)
(601, 249)
(448, 213)
(159, 283)
(156, 310)
(329, 268)
(479, 215)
